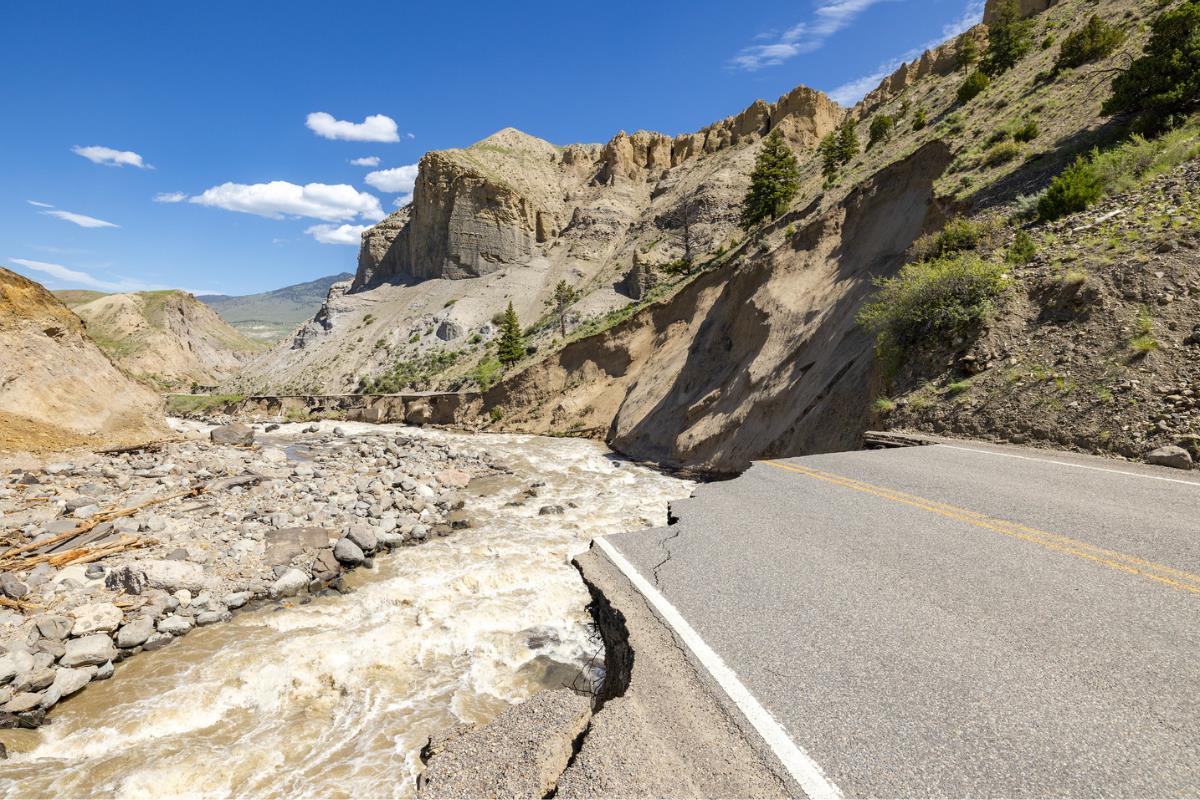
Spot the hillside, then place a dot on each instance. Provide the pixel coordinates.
(167, 338)
(57, 389)
(270, 316)
(758, 348)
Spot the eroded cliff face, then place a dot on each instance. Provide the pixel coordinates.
(759, 358)
(507, 199)
(57, 389)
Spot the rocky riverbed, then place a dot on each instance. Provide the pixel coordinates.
(327, 680)
(109, 556)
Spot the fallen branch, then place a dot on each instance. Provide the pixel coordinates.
(20, 605)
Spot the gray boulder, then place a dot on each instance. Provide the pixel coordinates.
(1170, 456)
(171, 576)
(24, 701)
(235, 434)
(135, 633)
(348, 552)
(13, 664)
(89, 651)
(96, 618)
(364, 536)
(236, 599)
(290, 583)
(34, 681)
(175, 625)
(12, 587)
(66, 683)
(286, 543)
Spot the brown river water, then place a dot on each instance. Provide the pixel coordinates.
(335, 698)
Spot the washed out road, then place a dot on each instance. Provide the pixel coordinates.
(953, 620)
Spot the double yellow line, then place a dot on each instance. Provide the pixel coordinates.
(1122, 562)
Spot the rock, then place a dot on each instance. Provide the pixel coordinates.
(83, 512)
(364, 536)
(548, 510)
(235, 434)
(157, 641)
(13, 664)
(12, 587)
(96, 618)
(175, 625)
(89, 650)
(66, 683)
(348, 552)
(33, 681)
(171, 576)
(178, 554)
(94, 571)
(449, 330)
(126, 579)
(453, 478)
(135, 633)
(213, 616)
(271, 428)
(236, 599)
(289, 583)
(104, 672)
(325, 566)
(285, 544)
(1170, 456)
(339, 431)
(24, 701)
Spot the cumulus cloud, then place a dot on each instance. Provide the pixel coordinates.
(396, 179)
(375, 128)
(76, 276)
(337, 234)
(829, 17)
(82, 220)
(365, 161)
(279, 199)
(851, 92)
(170, 197)
(110, 157)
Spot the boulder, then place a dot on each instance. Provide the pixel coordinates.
(449, 330)
(66, 683)
(96, 618)
(364, 536)
(171, 576)
(88, 651)
(175, 625)
(290, 583)
(1170, 456)
(235, 434)
(135, 633)
(53, 626)
(33, 681)
(12, 587)
(213, 616)
(348, 552)
(24, 701)
(236, 599)
(453, 478)
(13, 664)
(286, 543)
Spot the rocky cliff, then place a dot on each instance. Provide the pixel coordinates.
(57, 388)
(169, 337)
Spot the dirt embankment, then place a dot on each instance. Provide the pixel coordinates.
(757, 358)
(57, 389)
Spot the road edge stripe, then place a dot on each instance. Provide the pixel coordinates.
(803, 769)
(1194, 484)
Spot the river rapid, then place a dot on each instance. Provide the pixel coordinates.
(336, 697)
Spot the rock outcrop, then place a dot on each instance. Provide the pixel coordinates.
(1027, 8)
(57, 388)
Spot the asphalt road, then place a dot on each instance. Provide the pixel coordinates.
(954, 621)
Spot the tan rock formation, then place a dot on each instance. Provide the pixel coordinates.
(1027, 7)
(57, 389)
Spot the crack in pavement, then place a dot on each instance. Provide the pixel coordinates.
(663, 544)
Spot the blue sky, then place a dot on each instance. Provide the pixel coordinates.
(211, 146)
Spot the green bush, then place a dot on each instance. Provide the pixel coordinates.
(1026, 132)
(1023, 249)
(919, 119)
(1001, 153)
(1076, 188)
(942, 297)
(1165, 81)
(881, 129)
(959, 235)
(1094, 41)
(486, 372)
(973, 86)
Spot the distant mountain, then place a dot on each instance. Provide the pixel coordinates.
(269, 316)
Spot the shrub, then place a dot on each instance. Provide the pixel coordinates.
(973, 86)
(1026, 132)
(838, 148)
(1144, 344)
(1009, 39)
(919, 119)
(773, 183)
(1001, 153)
(1076, 188)
(884, 405)
(945, 296)
(957, 236)
(1165, 81)
(1095, 40)
(1022, 250)
(958, 387)
(496, 413)
(881, 129)
(486, 372)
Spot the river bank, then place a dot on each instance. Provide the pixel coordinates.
(421, 640)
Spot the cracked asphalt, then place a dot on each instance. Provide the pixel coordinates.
(955, 620)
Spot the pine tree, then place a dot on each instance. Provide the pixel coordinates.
(564, 296)
(1164, 83)
(881, 129)
(830, 155)
(1009, 39)
(773, 183)
(848, 140)
(512, 343)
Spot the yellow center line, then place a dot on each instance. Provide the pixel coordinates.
(1113, 559)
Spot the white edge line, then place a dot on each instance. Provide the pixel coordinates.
(798, 763)
(1069, 464)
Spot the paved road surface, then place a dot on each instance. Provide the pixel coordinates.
(954, 620)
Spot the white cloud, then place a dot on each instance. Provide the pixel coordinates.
(170, 197)
(829, 17)
(75, 276)
(337, 234)
(110, 157)
(375, 128)
(397, 179)
(39, 204)
(279, 199)
(851, 92)
(365, 161)
(402, 200)
(82, 220)
(411, 135)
